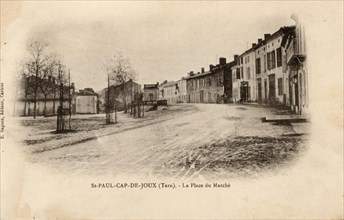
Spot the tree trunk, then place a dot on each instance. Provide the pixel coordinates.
(54, 103)
(138, 109)
(25, 106)
(35, 104)
(45, 106)
(124, 100)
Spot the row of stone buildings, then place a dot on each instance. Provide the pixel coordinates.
(273, 71)
(47, 94)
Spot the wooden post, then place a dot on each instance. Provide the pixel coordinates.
(70, 101)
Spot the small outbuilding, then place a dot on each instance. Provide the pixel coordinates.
(86, 102)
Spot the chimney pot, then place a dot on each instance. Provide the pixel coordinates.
(202, 70)
(211, 66)
(222, 61)
(266, 36)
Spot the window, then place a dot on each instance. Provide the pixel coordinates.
(265, 62)
(238, 73)
(242, 72)
(248, 72)
(279, 57)
(271, 60)
(280, 86)
(258, 66)
(241, 60)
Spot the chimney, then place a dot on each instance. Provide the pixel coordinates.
(266, 36)
(254, 44)
(236, 57)
(222, 61)
(260, 40)
(211, 66)
(202, 70)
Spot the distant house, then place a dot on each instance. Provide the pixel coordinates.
(182, 94)
(151, 92)
(86, 102)
(210, 86)
(169, 91)
(48, 96)
(120, 95)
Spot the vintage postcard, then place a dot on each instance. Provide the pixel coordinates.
(171, 110)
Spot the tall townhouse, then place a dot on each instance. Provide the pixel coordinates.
(151, 92)
(297, 70)
(244, 76)
(169, 91)
(208, 87)
(181, 90)
(228, 82)
(237, 77)
(248, 85)
(261, 67)
(277, 77)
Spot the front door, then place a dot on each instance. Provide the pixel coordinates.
(272, 88)
(259, 90)
(265, 90)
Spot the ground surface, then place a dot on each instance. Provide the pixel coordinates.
(184, 141)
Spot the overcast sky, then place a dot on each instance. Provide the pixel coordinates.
(164, 40)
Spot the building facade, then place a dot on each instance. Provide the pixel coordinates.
(182, 93)
(208, 87)
(47, 95)
(169, 91)
(151, 92)
(120, 95)
(237, 78)
(272, 77)
(248, 81)
(297, 70)
(86, 101)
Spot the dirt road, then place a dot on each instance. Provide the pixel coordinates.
(170, 147)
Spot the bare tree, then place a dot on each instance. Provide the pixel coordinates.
(57, 72)
(37, 61)
(120, 72)
(46, 84)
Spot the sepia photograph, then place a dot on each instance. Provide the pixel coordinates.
(171, 110)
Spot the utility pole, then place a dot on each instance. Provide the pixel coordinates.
(108, 120)
(60, 119)
(36, 88)
(70, 100)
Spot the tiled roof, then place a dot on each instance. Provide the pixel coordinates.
(171, 83)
